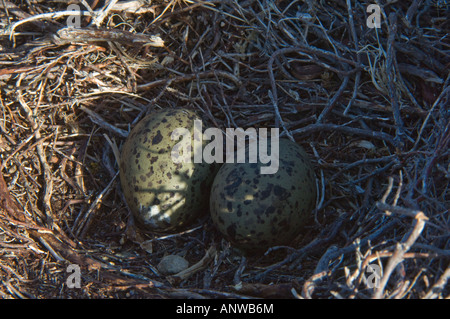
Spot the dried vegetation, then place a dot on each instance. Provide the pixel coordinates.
(370, 105)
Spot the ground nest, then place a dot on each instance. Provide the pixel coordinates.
(367, 98)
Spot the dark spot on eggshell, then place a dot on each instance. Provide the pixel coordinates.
(278, 191)
(266, 192)
(158, 138)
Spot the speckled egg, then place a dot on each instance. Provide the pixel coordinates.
(256, 211)
(163, 194)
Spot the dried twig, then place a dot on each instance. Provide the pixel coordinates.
(439, 286)
(72, 35)
(82, 224)
(185, 274)
(53, 15)
(400, 131)
(97, 119)
(98, 19)
(312, 128)
(403, 247)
